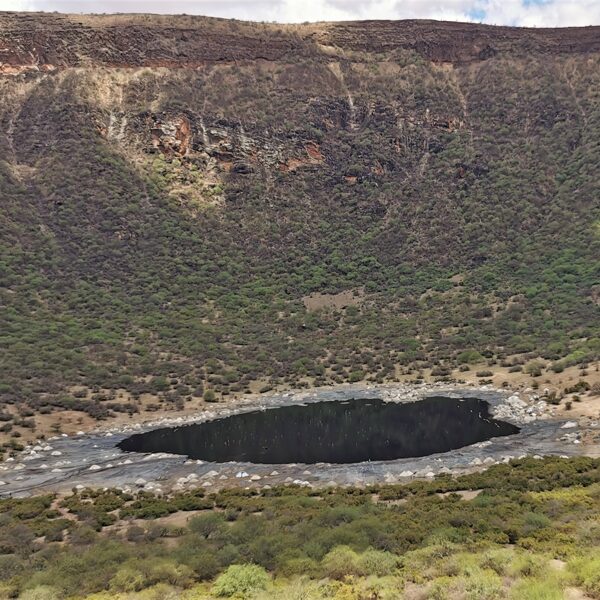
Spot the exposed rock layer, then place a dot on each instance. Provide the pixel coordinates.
(46, 42)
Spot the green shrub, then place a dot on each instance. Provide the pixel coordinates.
(241, 581)
(210, 396)
(485, 373)
(469, 357)
(207, 524)
(163, 591)
(377, 562)
(498, 560)
(301, 588)
(10, 566)
(533, 368)
(527, 565)
(128, 579)
(356, 376)
(440, 588)
(299, 566)
(204, 564)
(340, 562)
(534, 521)
(537, 589)
(41, 592)
(167, 571)
(586, 571)
(482, 584)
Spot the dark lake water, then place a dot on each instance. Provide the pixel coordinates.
(334, 432)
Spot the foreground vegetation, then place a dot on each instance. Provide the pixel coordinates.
(530, 530)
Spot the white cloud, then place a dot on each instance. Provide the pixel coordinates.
(336, 10)
(540, 13)
(16, 5)
(553, 13)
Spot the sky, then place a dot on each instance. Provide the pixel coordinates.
(531, 13)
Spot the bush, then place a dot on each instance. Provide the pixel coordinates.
(167, 571)
(241, 580)
(440, 371)
(210, 396)
(535, 521)
(377, 562)
(135, 533)
(356, 376)
(580, 386)
(162, 591)
(528, 565)
(340, 562)
(128, 579)
(41, 592)
(497, 560)
(534, 368)
(10, 566)
(469, 357)
(536, 589)
(302, 589)
(587, 574)
(299, 566)
(482, 585)
(440, 588)
(207, 524)
(484, 373)
(205, 565)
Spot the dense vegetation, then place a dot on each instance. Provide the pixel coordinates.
(458, 203)
(421, 540)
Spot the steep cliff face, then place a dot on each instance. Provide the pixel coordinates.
(47, 42)
(174, 188)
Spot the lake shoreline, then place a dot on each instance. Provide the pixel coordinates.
(92, 459)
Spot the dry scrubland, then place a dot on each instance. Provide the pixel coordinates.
(528, 530)
(198, 208)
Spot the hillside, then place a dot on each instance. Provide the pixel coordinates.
(196, 205)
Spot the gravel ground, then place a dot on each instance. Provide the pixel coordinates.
(92, 460)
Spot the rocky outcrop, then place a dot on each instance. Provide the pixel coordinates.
(172, 137)
(449, 42)
(29, 41)
(311, 156)
(45, 42)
